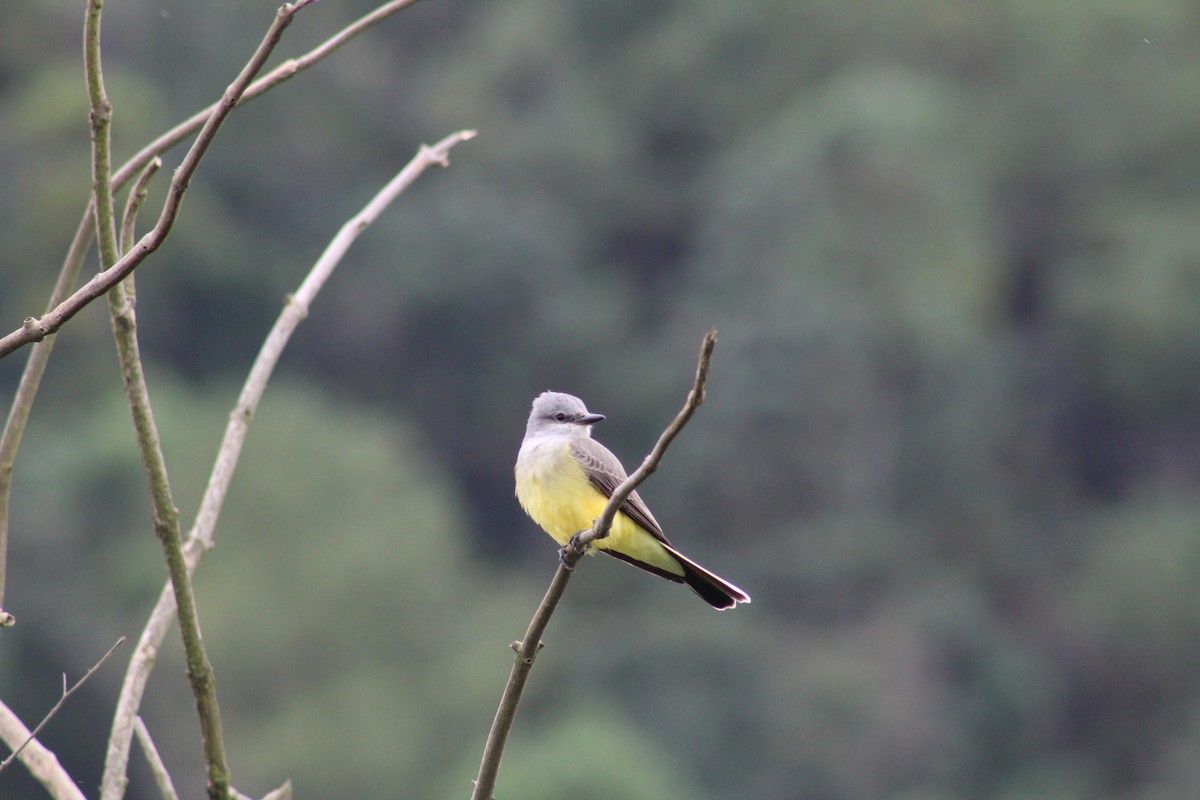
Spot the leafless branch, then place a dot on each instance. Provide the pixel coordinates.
(41, 762)
(168, 530)
(200, 537)
(66, 693)
(527, 649)
(166, 786)
(14, 428)
(133, 203)
(166, 514)
(650, 463)
(37, 329)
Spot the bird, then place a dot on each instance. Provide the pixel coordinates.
(564, 480)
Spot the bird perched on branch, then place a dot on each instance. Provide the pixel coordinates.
(564, 480)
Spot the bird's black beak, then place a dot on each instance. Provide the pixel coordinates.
(591, 419)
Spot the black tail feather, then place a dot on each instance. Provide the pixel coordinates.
(713, 589)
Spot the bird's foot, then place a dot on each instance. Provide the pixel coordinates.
(572, 551)
(580, 547)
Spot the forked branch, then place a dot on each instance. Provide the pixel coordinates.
(39, 328)
(66, 693)
(36, 329)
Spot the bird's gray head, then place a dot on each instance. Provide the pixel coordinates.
(565, 414)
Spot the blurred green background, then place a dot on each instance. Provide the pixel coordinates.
(951, 445)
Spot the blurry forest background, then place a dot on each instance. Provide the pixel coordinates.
(951, 445)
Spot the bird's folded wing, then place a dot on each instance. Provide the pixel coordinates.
(605, 472)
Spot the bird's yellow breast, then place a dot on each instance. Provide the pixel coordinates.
(556, 493)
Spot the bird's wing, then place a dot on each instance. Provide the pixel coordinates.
(605, 472)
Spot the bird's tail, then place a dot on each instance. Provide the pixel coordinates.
(713, 589)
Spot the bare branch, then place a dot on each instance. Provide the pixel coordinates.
(38, 329)
(14, 428)
(133, 203)
(35, 329)
(527, 649)
(65, 694)
(200, 538)
(695, 397)
(101, 117)
(42, 763)
(295, 311)
(168, 530)
(166, 786)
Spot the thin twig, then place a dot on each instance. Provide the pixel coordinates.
(166, 515)
(14, 428)
(200, 537)
(166, 786)
(37, 329)
(66, 693)
(41, 762)
(695, 397)
(295, 311)
(133, 203)
(527, 649)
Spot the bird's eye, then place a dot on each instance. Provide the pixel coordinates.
(561, 417)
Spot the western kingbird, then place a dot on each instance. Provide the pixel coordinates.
(564, 480)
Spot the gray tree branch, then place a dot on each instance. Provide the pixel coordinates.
(166, 787)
